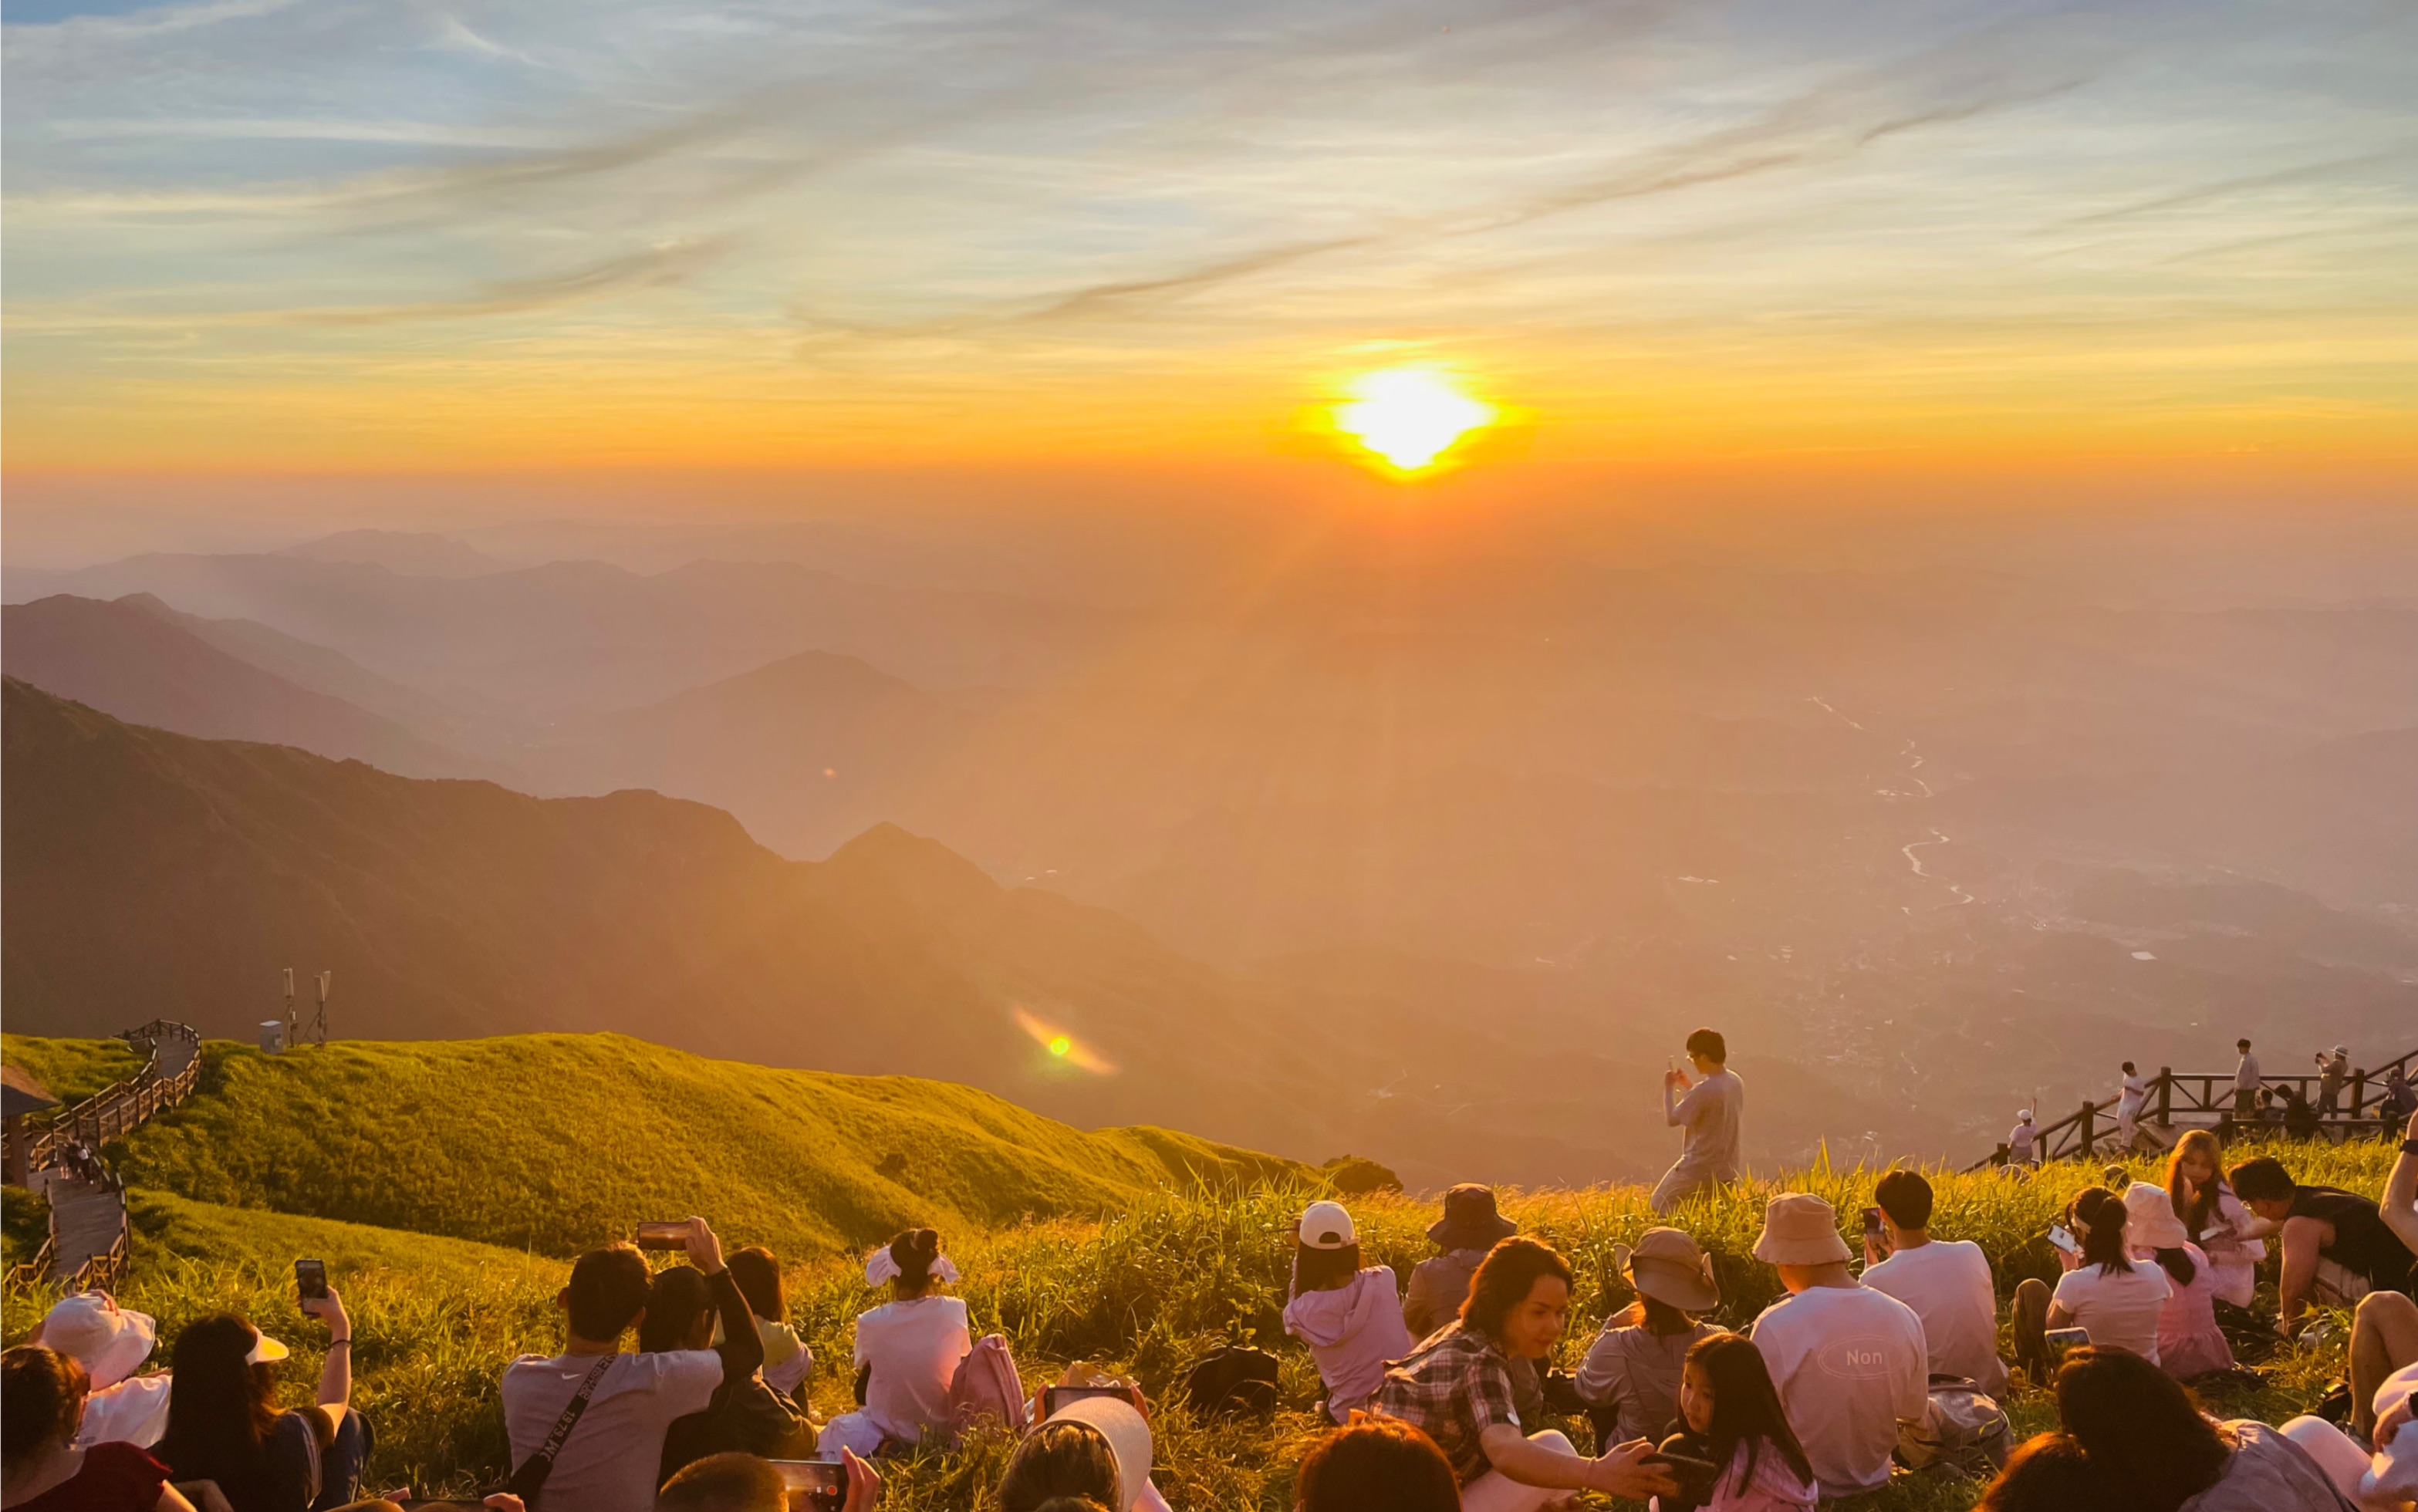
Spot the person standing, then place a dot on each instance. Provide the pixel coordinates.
(2246, 1083)
(2023, 1141)
(1712, 1111)
(2333, 1075)
(2131, 1096)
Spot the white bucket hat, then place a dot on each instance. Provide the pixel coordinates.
(1326, 1226)
(2150, 1221)
(111, 1342)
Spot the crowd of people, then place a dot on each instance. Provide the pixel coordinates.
(1439, 1393)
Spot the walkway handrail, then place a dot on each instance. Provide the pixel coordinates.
(2208, 1092)
(118, 1109)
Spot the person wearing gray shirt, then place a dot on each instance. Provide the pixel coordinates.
(1711, 1112)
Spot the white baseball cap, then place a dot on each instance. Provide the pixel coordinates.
(1326, 1226)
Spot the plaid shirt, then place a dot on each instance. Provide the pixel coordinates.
(1453, 1388)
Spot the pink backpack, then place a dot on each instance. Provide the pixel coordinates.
(987, 1386)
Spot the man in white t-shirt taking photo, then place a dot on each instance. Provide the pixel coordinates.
(1849, 1361)
(1946, 1281)
(607, 1459)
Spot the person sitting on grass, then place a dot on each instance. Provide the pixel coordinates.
(1456, 1387)
(1094, 1450)
(787, 1361)
(1732, 1419)
(2138, 1426)
(744, 1483)
(2337, 1247)
(683, 1313)
(41, 1467)
(608, 1461)
(1350, 1316)
(1849, 1361)
(2102, 1291)
(1630, 1378)
(224, 1426)
(2213, 1217)
(907, 1350)
(2049, 1473)
(2189, 1342)
(1376, 1464)
(111, 1342)
(1946, 1281)
(1470, 1227)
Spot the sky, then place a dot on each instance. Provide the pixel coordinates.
(354, 240)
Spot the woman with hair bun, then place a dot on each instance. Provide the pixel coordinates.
(907, 1350)
(2114, 1298)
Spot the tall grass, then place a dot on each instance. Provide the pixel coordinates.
(1144, 1290)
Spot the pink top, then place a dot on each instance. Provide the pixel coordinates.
(2189, 1342)
(1775, 1487)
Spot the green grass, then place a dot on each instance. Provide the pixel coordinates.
(556, 1142)
(70, 1069)
(470, 1169)
(1158, 1280)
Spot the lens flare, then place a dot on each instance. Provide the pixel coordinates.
(1062, 1048)
(1410, 415)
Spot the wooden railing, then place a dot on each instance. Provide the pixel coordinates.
(2206, 1099)
(116, 1109)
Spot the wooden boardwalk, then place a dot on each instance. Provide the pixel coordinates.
(89, 1230)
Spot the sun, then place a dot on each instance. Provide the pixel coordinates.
(1410, 415)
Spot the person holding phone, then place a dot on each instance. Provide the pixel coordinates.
(2104, 1291)
(742, 1483)
(1738, 1447)
(1712, 1111)
(1947, 1282)
(607, 1459)
(224, 1426)
(1457, 1389)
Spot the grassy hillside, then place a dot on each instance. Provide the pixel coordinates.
(71, 1069)
(1146, 1290)
(556, 1142)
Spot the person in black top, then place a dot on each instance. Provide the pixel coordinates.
(2337, 1247)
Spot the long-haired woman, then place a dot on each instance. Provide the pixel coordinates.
(907, 1350)
(1733, 1409)
(1630, 1378)
(224, 1425)
(1349, 1315)
(2104, 1291)
(2215, 1220)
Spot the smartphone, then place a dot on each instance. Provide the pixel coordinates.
(813, 1485)
(2061, 1339)
(1054, 1397)
(1695, 1476)
(311, 1279)
(1871, 1220)
(2063, 1240)
(663, 1236)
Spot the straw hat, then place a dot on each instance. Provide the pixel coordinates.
(1128, 1435)
(2150, 1221)
(108, 1340)
(1668, 1266)
(1799, 1229)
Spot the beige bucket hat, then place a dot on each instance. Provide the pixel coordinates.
(1799, 1229)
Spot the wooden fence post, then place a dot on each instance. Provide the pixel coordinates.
(2165, 1095)
(2089, 1138)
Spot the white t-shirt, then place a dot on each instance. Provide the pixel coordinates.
(914, 1347)
(134, 1410)
(1947, 1283)
(609, 1462)
(1851, 1364)
(2119, 1311)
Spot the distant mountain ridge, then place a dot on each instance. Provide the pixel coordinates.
(140, 661)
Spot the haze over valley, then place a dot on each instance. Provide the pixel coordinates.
(1425, 839)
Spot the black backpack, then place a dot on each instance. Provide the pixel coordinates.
(1233, 1381)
